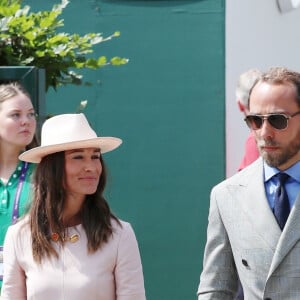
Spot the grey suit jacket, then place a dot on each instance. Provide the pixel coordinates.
(244, 238)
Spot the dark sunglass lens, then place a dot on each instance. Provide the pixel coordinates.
(254, 122)
(278, 121)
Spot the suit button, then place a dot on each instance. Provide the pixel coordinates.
(245, 263)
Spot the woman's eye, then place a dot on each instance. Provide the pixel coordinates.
(15, 115)
(32, 115)
(96, 157)
(77, 157)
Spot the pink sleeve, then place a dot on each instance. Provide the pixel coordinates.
(128, 273)
(14, 283)
(251, 152)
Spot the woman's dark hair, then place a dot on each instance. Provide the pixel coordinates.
(48, 203)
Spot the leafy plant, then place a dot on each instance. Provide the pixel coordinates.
(32, 39)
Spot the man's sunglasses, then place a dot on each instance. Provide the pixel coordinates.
(277, 121)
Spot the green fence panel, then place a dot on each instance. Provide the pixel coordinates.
(168, 106)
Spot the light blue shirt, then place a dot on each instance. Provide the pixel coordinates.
(292, 185)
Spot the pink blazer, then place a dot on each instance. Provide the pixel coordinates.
(112, 273)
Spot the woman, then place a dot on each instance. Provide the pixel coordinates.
(70, 245)
(17, 130)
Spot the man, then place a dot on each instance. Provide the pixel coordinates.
(243, 88)
(247, 236)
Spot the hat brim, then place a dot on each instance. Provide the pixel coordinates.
(105, 144)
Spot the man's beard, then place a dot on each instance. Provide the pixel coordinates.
(279, 158)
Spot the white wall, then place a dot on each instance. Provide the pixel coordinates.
(257, 35)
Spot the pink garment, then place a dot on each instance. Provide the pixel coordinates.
(251, 152)
(112, 273)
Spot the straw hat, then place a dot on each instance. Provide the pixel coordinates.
(67, 132)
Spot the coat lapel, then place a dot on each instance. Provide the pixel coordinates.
(249, 190)
(253, 201)
(289, 237)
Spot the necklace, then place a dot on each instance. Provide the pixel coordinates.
(55, 237)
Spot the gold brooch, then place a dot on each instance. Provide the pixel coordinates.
(55, 237)
(73, 238)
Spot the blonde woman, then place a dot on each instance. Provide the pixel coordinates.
(17, 133)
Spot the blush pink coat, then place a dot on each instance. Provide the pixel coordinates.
(112, 273)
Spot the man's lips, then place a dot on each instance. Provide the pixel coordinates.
(269, 148)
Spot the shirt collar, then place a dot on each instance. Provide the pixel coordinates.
(293, 171)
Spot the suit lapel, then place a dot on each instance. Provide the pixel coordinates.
(253, 202)
(249, 191)
(289, 237)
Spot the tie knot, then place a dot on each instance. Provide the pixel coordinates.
(282, 177)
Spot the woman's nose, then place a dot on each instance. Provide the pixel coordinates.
(26, 118)
(89, 166)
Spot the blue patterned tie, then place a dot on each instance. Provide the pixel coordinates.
(281, 203)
